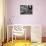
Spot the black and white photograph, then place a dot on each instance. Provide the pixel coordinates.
(25, 9)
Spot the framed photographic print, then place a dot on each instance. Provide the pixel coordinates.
(26, 9)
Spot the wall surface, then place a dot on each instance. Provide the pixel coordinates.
(38, 16)
(1, 19)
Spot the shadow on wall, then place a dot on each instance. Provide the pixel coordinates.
(44, 34)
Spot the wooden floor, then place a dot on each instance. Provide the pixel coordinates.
(23, 43)
(18, 43)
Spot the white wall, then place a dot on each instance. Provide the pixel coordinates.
(38, 16)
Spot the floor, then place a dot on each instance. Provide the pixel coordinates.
(18, 43)
(23, 43)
